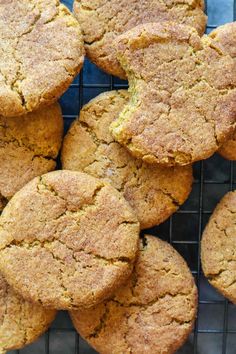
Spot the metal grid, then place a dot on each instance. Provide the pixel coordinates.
(215, 329)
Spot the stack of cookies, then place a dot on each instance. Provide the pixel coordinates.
(41, 51)
(70, 239)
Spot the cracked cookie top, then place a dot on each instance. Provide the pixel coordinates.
(154, 312)
(154, 192)
(41, 51)
(183, 96)
(218, 247)
(67, 240)
(103, 20)
(21, 322)
(29, 146)
(225, 36)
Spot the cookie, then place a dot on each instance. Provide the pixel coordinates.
(218, 247)
(154, 312)
(29, 146)
(21, 322)
(228, 149)
(154, 192)
(226, 37)
(103, 20)
(67, 240)
(183, 97)
(41, 51)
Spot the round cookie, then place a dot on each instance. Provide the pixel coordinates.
(103, 20)
(41, 51)
(154, 192)
(67, 240)
(226, 37)
(21, 322)
(183, 97)
(218, 247)
(29, 146)
(154, 312)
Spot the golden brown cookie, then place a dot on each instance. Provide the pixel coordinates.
(153, 313)
(67, 240)
(218, 247)
(29, 146)
(226, 37)
(228, 149)
(154, 192)
(103, 20)
(41, 51)
(21, 322)
(183, 96)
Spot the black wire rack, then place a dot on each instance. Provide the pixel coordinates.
(215, 328)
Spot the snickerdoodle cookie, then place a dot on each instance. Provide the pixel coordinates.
(183, 96)
(103, 20)
(153, 313)
(154, 192)
(29, 146)
(218, 247)
(228, 149)
(67, 240)
(41, 51)
(226, 37)
(21, 322)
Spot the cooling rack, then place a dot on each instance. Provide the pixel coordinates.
(215, 329)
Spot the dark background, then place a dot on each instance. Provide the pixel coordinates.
(215, 330)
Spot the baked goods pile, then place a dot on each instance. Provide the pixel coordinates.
(71, 239)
